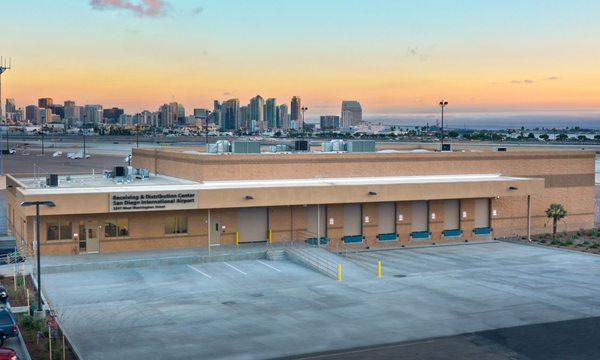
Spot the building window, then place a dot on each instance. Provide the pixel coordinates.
(176, 225)
(58, 230)
(116, 228)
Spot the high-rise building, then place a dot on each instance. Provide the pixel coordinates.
(45, 115)
(230, 115)
(180, 114)
(283, 117)
(72, 111)
(169, 114)
(351, 113)
(257, 108)
(296, 109)
(32, 114)
(245, 120)
(271, 113)
(11, 106)
(201, 113)
(330, 122)
(92, 114)
(45, 103)
(58, 110)
(112, 115)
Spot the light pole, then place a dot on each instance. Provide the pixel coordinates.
(37, 236)
(443, 104)
(303, 110)
(206, 130)
(42, 139)
(137, 136)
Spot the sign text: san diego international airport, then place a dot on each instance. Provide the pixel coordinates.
(152, 201)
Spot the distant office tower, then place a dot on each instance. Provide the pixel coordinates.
(257, 108)
(296, 109)
(112, 115)
(201, 113)
(45, 115)
(32, 114)
(245, 120)
(45, 103)
(92, 114)
(271, 113)
(230, 115)
(58, 110)
(283, 117)
(11, 106)
(330, 122)
(72, 111)
(180, 114)
(216, 105)
(169, 113)
(351, 113)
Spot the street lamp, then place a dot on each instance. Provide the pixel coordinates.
(303, 110)
(37, 235)
(137, 135)
(443, 104)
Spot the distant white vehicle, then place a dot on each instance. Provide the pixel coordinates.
(57, 154)
(77, 155)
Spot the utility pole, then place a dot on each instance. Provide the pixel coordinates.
(443, 104)
(303, 109)
(4, 65)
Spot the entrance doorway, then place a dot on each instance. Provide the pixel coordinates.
(92, 240)
(215, 231)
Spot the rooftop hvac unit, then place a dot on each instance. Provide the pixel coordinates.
(279, 148)
(245, 147)
(446, 147)
(501, 149)
(333, 145)
(52, 180)
(301, 145)
(118, 171)
(361, 146)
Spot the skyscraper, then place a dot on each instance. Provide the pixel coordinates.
(10, 107)
(283, 117)
(230, 115)
(72, 111)
(168, 115)
(271, 113)
(45, 103)
(330, 122)
(245, 120)
(32, 114)
(92, 114)
(113, 115)
(296, 109)
(351, 113)
(257, 108)
(45, 115)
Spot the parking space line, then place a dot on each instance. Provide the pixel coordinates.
(267, 265)
(200, 271)
(234, 268)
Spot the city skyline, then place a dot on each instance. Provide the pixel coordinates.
(396, 58)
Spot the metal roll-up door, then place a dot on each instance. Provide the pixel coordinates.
(387, 218)
(252, 224)
(352, 220)
(419, 216)
(317, 220)
(482, 213)
(451, 214)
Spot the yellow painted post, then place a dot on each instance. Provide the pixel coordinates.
(379, 269)
(270, 236)
(339, 272)
(237, 238)
(28, 305)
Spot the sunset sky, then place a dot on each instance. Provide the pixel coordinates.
(395, 56)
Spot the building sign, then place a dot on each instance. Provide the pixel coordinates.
(152, 201)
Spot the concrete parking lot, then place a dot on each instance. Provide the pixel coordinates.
(264, 309)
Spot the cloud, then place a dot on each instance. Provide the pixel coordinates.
(150, 8)
(414, 51)
(526, 81)
(552, 78)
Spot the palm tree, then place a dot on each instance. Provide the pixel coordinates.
(555, 212)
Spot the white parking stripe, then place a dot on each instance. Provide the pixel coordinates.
(234, 268)
(200, 271)
(267, 265)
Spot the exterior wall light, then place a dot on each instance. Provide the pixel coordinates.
(513, 188)
(372, 193)
(248, 197)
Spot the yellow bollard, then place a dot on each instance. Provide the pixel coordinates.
(339, 272)
(270, 236)
(28, 304)
(237, 238)
(379, 269)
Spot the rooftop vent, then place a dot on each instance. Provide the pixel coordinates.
(52, 180)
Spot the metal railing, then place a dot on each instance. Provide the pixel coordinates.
(305, 257)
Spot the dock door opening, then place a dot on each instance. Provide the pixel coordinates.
(252, 224)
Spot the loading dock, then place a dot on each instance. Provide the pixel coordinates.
(452, 218)
(317, 222)
(420, 220)
(387, 222)
(252, 224)
(482, 217)
(353, 223)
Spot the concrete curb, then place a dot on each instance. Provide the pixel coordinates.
(535, 244)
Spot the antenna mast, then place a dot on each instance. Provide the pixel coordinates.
(4, 65)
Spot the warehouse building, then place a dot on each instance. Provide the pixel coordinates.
(180, 199)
